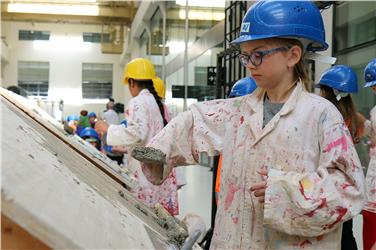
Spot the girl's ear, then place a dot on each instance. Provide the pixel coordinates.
(294, 55)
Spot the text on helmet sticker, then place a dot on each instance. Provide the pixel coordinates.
(245, 27)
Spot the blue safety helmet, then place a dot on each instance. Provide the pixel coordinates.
(370, 74)
(124, 122)
(341, 78)
(72, 118)
(284, 19)
(89, 133)
(243, 87)
(92, 114)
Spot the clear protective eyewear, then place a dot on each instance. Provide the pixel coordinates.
(256, 57)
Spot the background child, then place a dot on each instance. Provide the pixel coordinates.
(369, 212)
(336, 84)
(145, 118)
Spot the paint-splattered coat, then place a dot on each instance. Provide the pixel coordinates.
(371, 171)
(143, 122)
(315, 178)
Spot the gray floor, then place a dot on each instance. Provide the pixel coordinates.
(195, 197)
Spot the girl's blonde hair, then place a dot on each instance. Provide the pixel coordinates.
(300, 69)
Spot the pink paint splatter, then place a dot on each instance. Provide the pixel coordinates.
(230, 195)
(304, 243)
(346, 185)
(339, 142)
(341, 211)
(235, 220)
(241, 119)
(320, 206)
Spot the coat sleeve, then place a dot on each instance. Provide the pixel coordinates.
(137, 127)
(200, 129)
(314, 203)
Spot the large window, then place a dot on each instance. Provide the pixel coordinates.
(31, 35)
(34, 77)
(355, 24)
(96, 37)
(96, 80)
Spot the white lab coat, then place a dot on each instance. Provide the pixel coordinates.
(315, 178)
(371, 171)
(143, 122)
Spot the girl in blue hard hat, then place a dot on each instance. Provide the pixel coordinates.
(369, 212)
(91, 136)
(290, 174)
(336, 85)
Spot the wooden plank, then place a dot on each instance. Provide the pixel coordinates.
(99, 160)
(15, 237)
(62, 199)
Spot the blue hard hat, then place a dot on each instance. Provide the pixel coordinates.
(72, 118)
(370, 74)
(340, 77)
(243, 87)
(284, 19)
(124, 122)
(92, 114)
(89, 132)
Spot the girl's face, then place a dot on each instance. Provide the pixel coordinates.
(274, 65)
(133, 89)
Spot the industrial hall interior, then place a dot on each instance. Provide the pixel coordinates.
(188, 124)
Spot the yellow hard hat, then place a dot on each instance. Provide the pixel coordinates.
(159, 87)
(139, 69)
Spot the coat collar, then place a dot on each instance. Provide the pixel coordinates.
(256, 107)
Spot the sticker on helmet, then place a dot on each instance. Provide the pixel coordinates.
(245, 27)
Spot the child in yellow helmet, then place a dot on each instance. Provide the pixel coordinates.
(145, 118)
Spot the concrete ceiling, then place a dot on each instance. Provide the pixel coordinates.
(107, 11)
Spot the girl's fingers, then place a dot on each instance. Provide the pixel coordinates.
(261, 185)
(259, 193)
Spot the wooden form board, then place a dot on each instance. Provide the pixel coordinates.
(104, 163)
(62, 199)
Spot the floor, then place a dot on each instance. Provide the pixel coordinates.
(195, 197)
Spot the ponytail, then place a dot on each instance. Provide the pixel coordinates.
(148, 84)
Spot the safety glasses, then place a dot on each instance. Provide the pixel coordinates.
(256, 57)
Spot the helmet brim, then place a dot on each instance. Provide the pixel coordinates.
(369, 84)
(247, 38)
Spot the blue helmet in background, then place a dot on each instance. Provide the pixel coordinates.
(89, 133)
(370, 74)
(341, 78)
(124, 122)
(72, 118)
(243, 87)
(284, 19)
(92, 114)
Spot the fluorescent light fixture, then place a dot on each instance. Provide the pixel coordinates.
(176, 47)
(63, 44)
(202, 15)
(201, 3)
(57, 9)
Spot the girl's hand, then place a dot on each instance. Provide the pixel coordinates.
(260, 188)
(119, 149)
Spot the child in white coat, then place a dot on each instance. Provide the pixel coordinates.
(145, 118)
(369, 212)
(290, 174)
